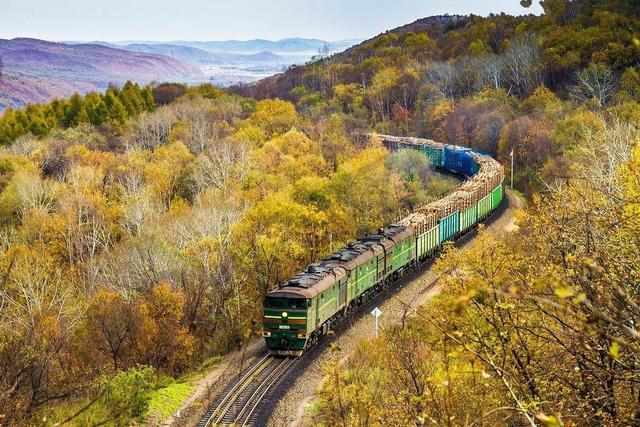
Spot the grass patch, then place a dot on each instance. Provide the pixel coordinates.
(167, 400)
(165, 396)
(171, 394)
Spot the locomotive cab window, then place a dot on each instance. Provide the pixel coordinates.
(292, 303)
(276, 303)
(297, 303)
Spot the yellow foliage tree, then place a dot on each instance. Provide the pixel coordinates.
(275, 117)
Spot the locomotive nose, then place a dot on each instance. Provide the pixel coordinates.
(284, 343)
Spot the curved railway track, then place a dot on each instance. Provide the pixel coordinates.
(240, 403)
(243, 402)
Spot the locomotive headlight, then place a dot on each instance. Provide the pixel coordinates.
(285, 314)
(266, 334)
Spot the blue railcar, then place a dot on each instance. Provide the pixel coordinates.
(459, 160)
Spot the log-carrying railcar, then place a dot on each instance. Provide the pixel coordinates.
(307, 306)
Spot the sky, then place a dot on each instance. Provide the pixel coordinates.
(165, 20)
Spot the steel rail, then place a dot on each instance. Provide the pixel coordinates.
(265, 386)
(234, 394)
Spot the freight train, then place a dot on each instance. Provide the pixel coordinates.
(306, 307)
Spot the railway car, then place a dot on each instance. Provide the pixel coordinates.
(307, 306)
(459, 160)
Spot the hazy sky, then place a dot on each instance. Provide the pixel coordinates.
(115, 20)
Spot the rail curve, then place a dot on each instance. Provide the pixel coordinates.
(449, 218)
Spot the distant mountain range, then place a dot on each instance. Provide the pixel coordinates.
(36, 71)
(285, 46)
(197, 56)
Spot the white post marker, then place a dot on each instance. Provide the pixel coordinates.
(376, 313)
(512, 168)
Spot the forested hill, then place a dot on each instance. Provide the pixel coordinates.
(515, 75)
(432, 25)
(570, 35)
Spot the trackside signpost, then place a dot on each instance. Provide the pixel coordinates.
(376, 313)
(512, 168)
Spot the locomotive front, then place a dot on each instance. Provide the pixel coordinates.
(285, 322)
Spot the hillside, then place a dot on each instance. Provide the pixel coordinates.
(563, 41)
(36, 71)
(449, 77)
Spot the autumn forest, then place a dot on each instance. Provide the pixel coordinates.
(141, 227)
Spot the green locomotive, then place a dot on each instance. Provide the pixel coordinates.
(307, 306)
